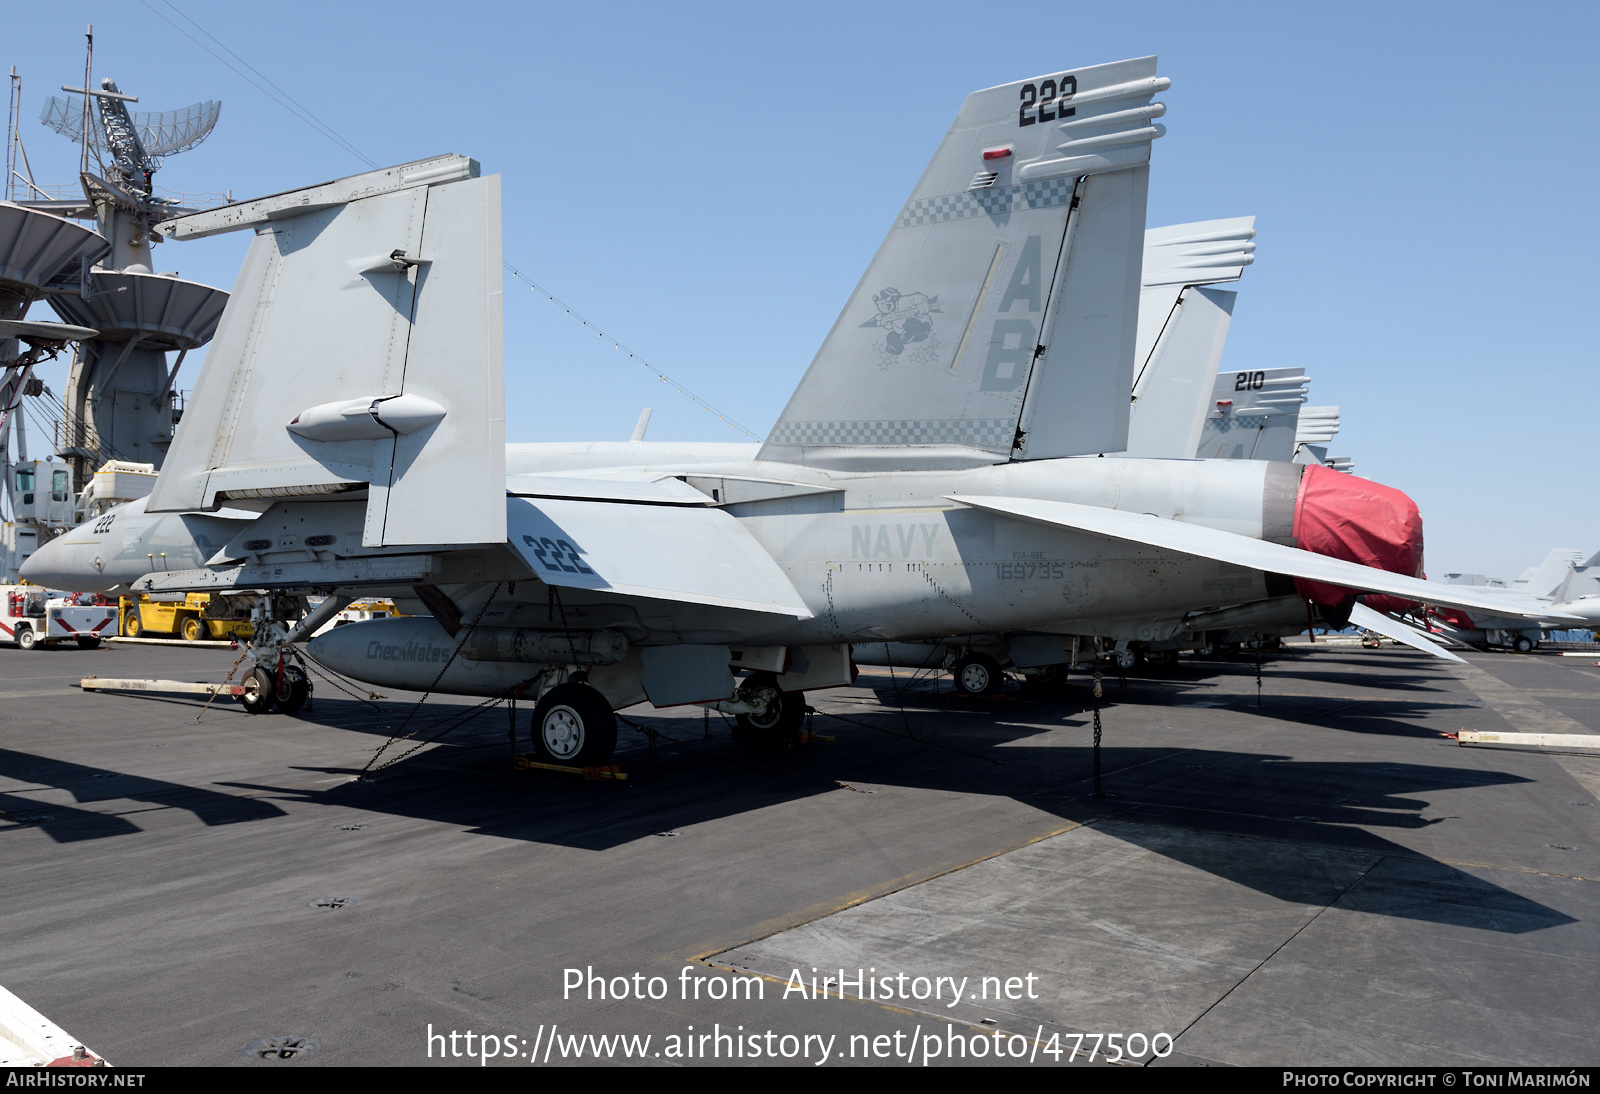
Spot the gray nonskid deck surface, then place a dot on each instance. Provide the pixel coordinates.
(1319, 879)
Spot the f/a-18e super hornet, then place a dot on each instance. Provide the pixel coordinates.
(939, 469)
(1564, 582)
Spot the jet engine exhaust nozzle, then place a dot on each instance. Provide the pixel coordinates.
(1356, 520)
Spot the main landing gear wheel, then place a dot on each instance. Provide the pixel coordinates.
(778, 717)
(1046, 678)
(192, 630)
(1523, 644)
(27, 638)
(1125, 659)
(977, 674)
(291, 694)
(574, 725)
(259, 688)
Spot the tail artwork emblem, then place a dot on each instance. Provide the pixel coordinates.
(905, 319)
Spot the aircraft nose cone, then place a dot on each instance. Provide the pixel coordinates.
(61, 565)
(1356, 520)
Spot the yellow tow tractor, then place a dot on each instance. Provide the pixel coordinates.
(189, 616)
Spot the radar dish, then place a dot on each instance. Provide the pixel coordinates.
(44, 331)
(174, 131)
(66, 118)
(163, 134)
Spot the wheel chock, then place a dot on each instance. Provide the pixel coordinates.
(593, 774)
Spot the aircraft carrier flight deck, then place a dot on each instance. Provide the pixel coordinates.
(1320, 875)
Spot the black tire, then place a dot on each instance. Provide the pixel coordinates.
(779, 724)
(1161, 657)
(90, 643)
(294, 691)
(1522, 644)
(573, 725)
(1125, 660)
(977, 674)
(27, 639)
(259, 686)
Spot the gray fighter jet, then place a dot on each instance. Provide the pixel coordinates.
(1566, 584)
(940, 469)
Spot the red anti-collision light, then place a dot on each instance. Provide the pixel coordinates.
(997, 153)
(1224, 402)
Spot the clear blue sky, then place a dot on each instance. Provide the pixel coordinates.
(707, 182)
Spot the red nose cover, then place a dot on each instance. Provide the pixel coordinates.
(1356, 520)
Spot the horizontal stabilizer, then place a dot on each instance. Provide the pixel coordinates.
(1369, 619)
(666, 552)
(1198, 540)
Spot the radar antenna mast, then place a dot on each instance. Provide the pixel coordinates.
(13, 119)
(88, 76)
(119, 400)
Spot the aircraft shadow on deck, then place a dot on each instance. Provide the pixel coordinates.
(68, 824)
(1388, 682)
(1354, 714)
(1227, 798)
(1385, 717)
(1421, 674)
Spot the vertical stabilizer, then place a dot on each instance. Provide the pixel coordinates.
(361, 349)
(1173, 391)
(1182, 330)
(1181, 256)
(1545, 578)
(998, 316)
(1318, 425)
(1254, 415)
